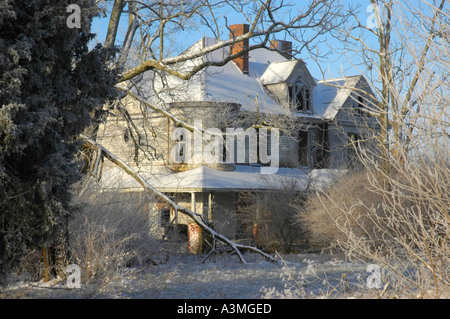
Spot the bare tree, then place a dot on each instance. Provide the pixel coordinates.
(158, 21)
(399, 217)
(403, 49)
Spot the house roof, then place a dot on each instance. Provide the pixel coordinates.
(330, 95)
(229, 85)
(203, 179)
(278, 72)
(285, 71)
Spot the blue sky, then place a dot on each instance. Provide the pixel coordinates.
(334, 66)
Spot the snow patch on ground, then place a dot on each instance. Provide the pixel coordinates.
(221, 276)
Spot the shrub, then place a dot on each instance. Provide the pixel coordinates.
(269, 217)
(346, 202)
(397, 220)
(111, 232)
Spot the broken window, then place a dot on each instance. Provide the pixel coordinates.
(300, 96)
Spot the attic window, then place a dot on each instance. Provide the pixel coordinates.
(360, 105)
(300, 96)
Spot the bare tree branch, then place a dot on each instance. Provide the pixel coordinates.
(150, 188)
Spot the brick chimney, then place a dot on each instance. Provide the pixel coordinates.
(235, 31)
(284, 47)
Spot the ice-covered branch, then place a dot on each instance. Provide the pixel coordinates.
(148, 187)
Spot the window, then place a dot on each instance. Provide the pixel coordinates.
(322, 142)
(303, 148)
(265, 155)
(360, 108)
(354, 141)
(300, 96)
(181, 150)
(126, 135)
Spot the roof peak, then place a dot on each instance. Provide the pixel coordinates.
(339, 79)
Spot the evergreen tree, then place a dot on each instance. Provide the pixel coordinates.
(51, 85)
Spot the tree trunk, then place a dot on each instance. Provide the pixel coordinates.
(114, 23)
(46, 261)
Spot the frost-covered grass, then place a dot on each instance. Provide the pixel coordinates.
(222, 276)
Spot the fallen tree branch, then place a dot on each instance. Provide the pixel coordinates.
(197, 219)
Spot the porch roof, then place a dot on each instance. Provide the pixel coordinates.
(206, 179)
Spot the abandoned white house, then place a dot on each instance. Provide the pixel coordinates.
(316, 121)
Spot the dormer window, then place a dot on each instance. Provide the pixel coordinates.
(291, 84)
(300, 96)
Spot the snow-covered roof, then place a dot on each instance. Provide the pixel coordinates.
(210, 179)
(286, 71)
(228, 84)
(278, 72)
(330, 95)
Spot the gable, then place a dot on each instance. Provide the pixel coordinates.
(291, 84)
(329, 96)
(286, 72)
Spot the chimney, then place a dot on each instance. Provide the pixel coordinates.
(284, 47)
(235, 31)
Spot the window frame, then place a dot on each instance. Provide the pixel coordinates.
(303, 89)
(360, 105)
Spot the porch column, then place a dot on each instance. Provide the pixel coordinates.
(210, 208)
(194, 231)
